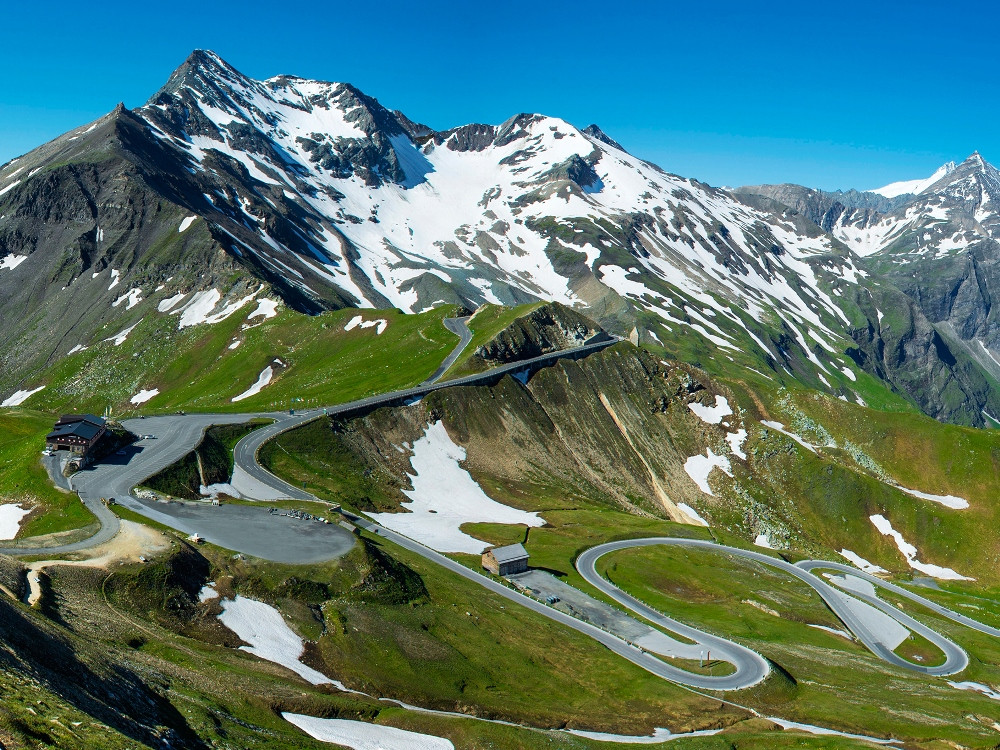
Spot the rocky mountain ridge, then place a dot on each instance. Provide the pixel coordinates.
(222, 189)
(939, 248)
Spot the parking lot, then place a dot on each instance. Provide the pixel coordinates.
(545, 586)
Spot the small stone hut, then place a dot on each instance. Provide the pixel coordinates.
(505, 561)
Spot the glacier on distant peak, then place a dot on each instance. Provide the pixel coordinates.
(915, 187)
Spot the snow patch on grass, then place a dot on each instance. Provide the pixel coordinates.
(861, 563)
(379, 324)
(977, 687)
(133, 297)
(11, 515)
(267, 308)
(143, 396)
(11, 262)
(360, 735)
(779, 427)
(736, 440)
(171, 302)
(699, 467)
(19, 397)
(658, 736)
(187, 222)
(763, 541)
(270, 638)
(823, 731)
(948, 501)
(712, 414)
(262, 380)
(833, 631)
(199, 308)
(119, 338)
(445, 496)
(910, 553)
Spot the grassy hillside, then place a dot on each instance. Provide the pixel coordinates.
(829, 680)
(314, 361)
(837, 682)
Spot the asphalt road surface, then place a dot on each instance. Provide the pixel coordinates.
(458, 326)
(961, 619)
(116, 475)
(283, 538)
(245, 453)
(252, 530)
(755, 670)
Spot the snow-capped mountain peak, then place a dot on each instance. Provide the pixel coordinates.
(915, 187)
(319, 190)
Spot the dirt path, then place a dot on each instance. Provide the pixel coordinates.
(132, 542)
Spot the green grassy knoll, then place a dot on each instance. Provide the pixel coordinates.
(486, 323)
(864, 454)
(314, 361)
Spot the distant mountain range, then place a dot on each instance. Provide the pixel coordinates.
(319, 194)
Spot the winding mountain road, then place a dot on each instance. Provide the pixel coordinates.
(257, 483)
(255, 531)
(460, 327)
(177, 435)
(839, 602)
(958, 617)
(751, 668)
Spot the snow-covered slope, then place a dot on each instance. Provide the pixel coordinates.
(339, 191)
(332, 199)
(958, 208)
(915, 187)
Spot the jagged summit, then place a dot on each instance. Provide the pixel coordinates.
(594, 131)
(202, 70)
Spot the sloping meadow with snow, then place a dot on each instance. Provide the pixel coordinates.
(445, 496)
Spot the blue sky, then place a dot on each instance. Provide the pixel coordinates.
(833, 96)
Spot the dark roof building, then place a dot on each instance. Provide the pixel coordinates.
(505, 561)
(76, 432)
